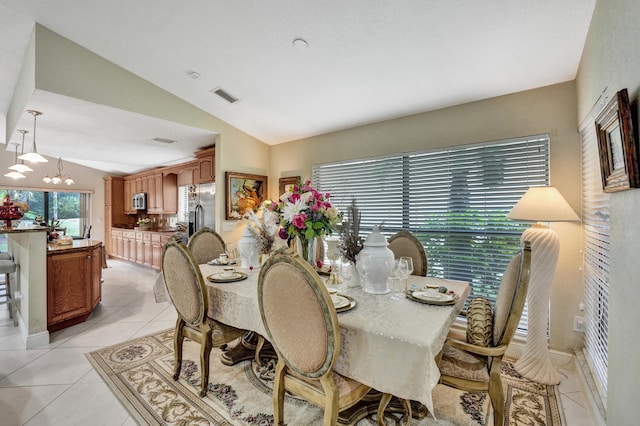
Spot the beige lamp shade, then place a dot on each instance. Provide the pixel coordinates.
(543, 204)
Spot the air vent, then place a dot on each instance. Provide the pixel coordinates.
(163, 140)
(224, 95)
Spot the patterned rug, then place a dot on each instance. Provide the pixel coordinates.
(139, 372)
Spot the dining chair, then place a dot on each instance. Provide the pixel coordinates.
(404, 243)
(206, 244)
(187, 291)
(302, 325)
(474, 364)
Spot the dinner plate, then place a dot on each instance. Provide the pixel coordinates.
(432, 299)
(219, 278)
(349, 306)
(216, 262)
(339, 301)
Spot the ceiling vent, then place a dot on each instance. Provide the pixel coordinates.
(163, 140)
(224, 95)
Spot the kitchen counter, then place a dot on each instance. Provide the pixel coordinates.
(75, 245)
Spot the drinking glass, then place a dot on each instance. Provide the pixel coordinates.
(362, 265)
(409, 270)
(399, 273)
(346, 271)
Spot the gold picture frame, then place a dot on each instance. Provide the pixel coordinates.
(287, 183)
(244, 192)
(617, 147)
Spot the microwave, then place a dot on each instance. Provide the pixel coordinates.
(139, 201)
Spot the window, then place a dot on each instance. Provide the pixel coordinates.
(595, 246)
(72, 209)
(454, 200)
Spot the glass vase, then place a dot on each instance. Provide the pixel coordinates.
(307, 249)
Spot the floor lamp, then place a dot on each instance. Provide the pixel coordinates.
(540, 204)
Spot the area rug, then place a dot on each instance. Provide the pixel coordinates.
(139, 373)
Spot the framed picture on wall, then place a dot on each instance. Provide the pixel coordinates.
(244, 193)
(617, 147)
(287, 183)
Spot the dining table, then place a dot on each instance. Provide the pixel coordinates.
(388, 341)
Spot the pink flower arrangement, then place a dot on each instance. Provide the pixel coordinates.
(305, 213)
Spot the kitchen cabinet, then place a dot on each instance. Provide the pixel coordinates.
(169, 193)
(128, 191)
(74, 275)
(114, 236)
(148, 249)
(129, 245)
(139, 248)
(158, 242)
(114, 209)
(206, 165)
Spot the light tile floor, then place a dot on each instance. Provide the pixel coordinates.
(56, 385)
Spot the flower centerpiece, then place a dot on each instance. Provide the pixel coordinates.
(306, 214)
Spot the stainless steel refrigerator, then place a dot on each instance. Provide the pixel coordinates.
(202, 205)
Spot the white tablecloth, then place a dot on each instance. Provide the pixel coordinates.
(388, 343)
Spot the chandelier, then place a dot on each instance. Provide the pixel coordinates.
(59, 177)
(14, 174)
(19, 166)
(33, 156)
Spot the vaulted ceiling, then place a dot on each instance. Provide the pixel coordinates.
(354, 62)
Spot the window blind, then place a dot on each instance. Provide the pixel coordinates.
(454, 200)
(595, 245)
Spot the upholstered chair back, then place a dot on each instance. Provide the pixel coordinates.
(404, 243)
(206, 244)
(184, 282)
(511, 296)
(298, 314)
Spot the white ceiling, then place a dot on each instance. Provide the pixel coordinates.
(366, 61)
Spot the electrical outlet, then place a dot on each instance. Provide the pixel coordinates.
(578, 324)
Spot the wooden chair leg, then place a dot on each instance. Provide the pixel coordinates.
(407, 409)
(278, 394)
(384, 401)
(205, 355)
(496, 394)
(178, 338)
(259, 346)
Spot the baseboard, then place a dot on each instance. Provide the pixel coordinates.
(592, 398)
(34, 340)
(558, 358)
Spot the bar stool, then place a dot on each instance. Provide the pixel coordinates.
(8, 267)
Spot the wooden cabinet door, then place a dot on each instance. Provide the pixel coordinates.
(113, 247)
(139, 248)
(67, 293)
(156, 247)
(128, 207)
(108, 194)
(152, 202)
(96, 276)
(119, 245)
(129, 245)
(206, 169)
(170, 193)
(206, 165)
(157, 188)
(148, 250)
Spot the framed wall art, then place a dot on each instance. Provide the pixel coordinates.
(617, 146)
(244, 192)
(287, 183)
